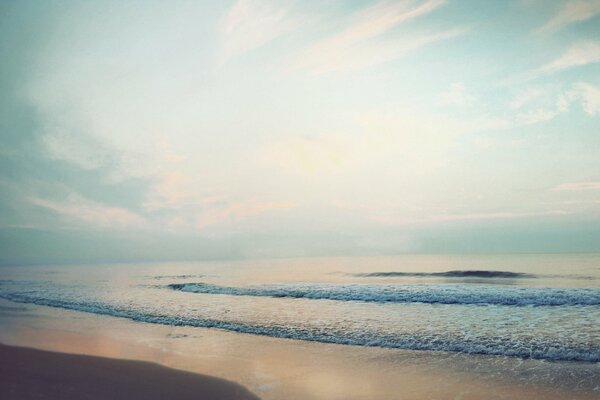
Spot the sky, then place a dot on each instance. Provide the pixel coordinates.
(175, 130)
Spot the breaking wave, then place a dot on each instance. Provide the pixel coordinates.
(431, 294)
(540, 349)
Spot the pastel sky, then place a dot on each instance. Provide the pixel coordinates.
(218, 129)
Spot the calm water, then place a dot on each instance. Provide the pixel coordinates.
(529, 306)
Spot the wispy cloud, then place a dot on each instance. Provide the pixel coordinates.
(238, 211)
(536, 116)
(173, 184)
(80, 150)
(376, 20)
(578, 55)
(175, 190)
(457, 96)
(93, 214)
(250, 24)
(525, 97)
(590, 97)
(586, 93)
(534, 105)
(578, 186)
(572, 12)
(363, 44)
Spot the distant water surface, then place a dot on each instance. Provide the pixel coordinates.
(528, 306)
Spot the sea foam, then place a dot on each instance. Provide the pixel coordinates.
(432, 294)
(536, 349)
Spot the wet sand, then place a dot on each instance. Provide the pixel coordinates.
(276, 369)
(36, 374)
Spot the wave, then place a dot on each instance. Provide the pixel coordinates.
(451, 274)
(431, 294)
(542, 349)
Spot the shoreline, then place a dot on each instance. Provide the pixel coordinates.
(277, 369)
(27, 373)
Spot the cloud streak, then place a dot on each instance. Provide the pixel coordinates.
(250, 24)
(92, 214)
(578, 186)
(364, 42)
(580, 54)
(525, 97)
(238, 211)
(590, 97)
(457, 96)
(572, 12)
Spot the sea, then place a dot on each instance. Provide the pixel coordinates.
(528, 306)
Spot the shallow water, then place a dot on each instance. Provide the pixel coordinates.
(279, 369)
(525, 306)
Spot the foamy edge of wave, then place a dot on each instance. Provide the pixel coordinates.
(550, 352)
(430, 294)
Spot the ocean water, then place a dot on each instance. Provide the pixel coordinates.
(527, 306)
